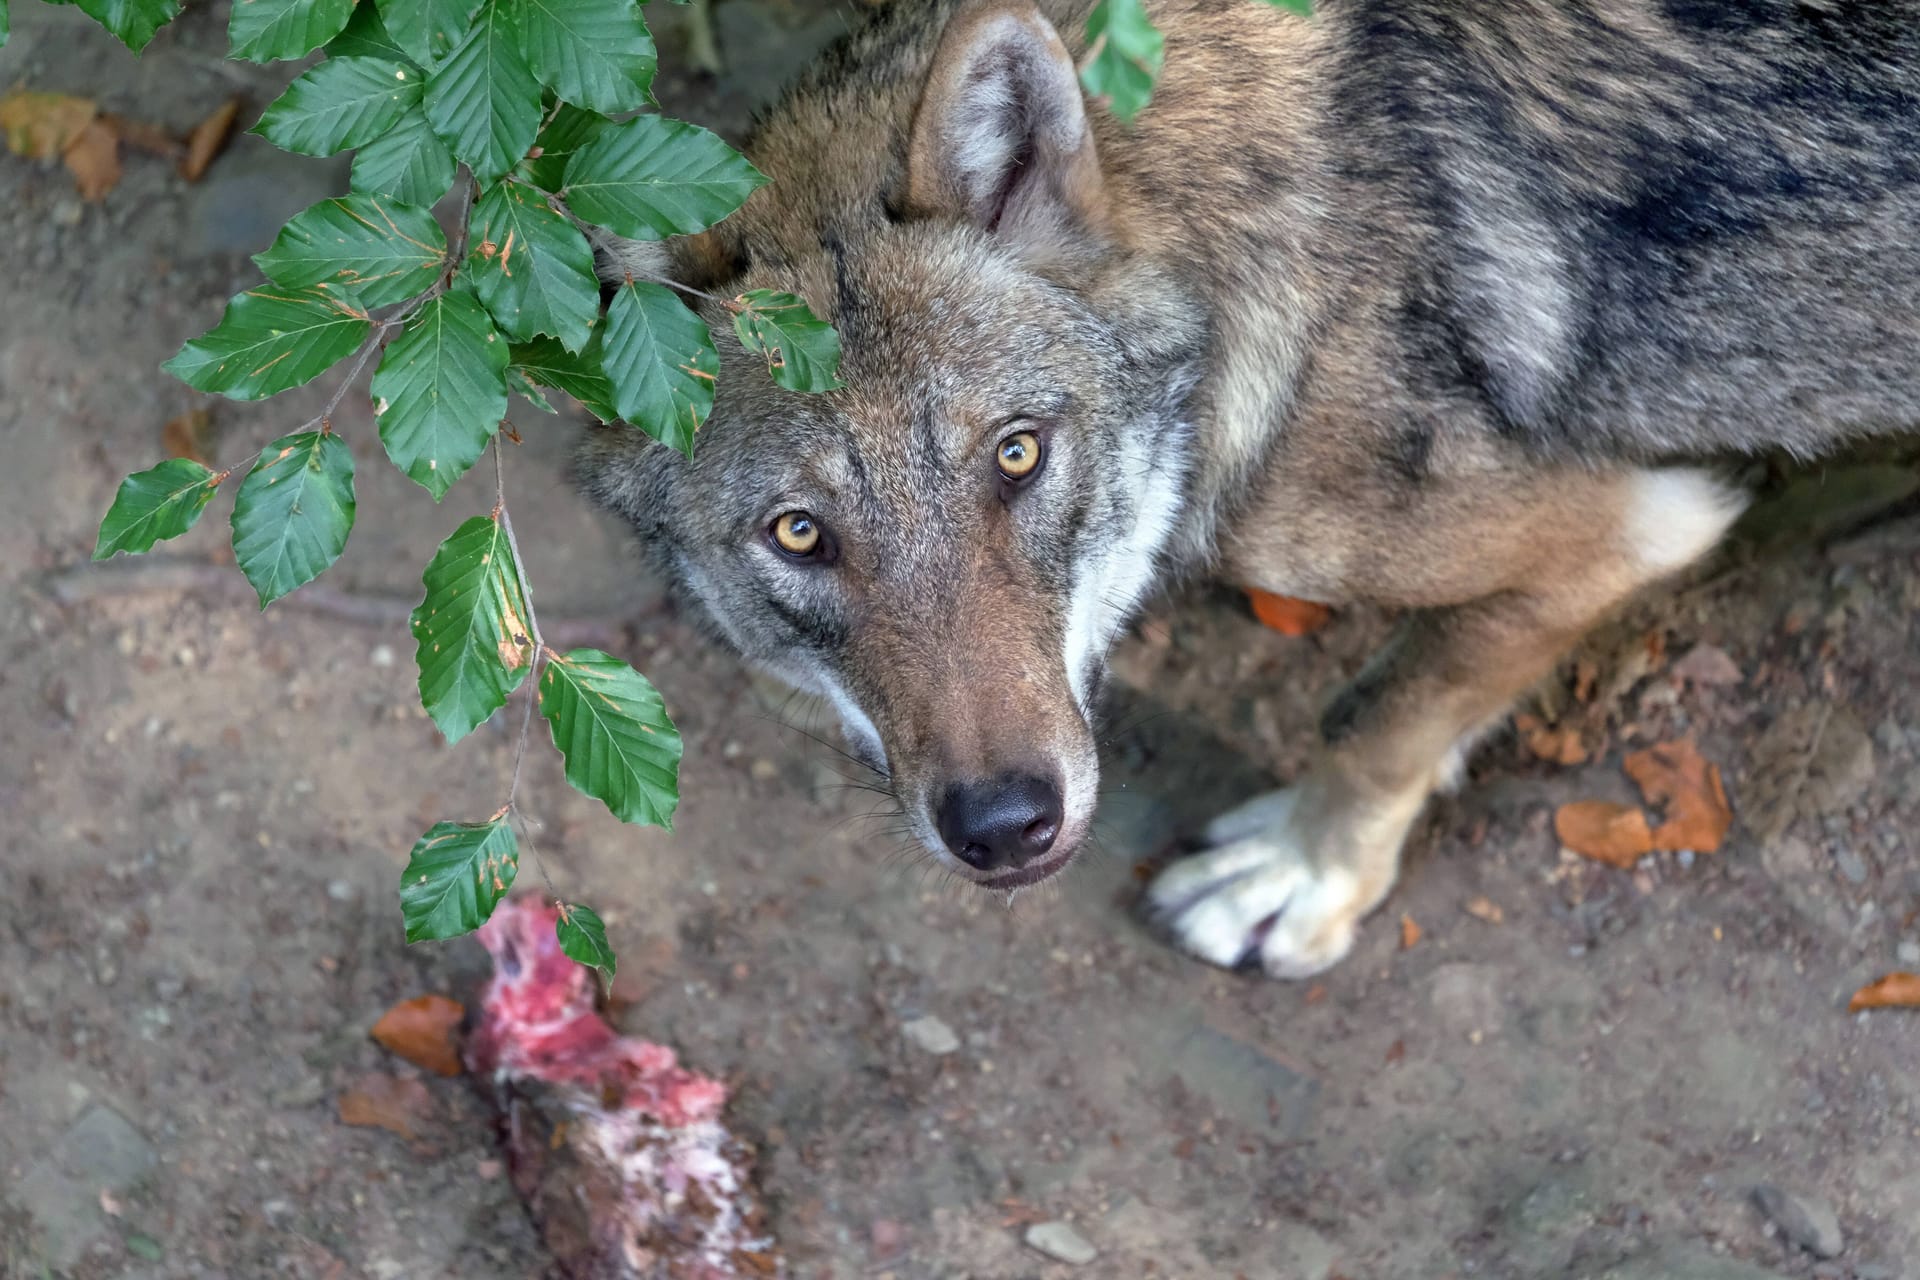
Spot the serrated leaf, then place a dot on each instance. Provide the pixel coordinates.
(1130, 53)
(583, 937)
(366, 36)
(271, 339)
(609, 723)
(441, 391)
(455, 877)
(581, 376)
(650, 177)
(473, 643)
(802, 351)
(269, 30)
(6, 25)
(408, 162)
(532, 268)
(294, 512)
(132, 21)
(343, 102)
(483, 100)
(427, 29)
(568, 131)
(593, 53)
(384, 250)
(153, 505)
(662, 363)
(524, 387)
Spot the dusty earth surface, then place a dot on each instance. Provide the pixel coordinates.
(207, 808)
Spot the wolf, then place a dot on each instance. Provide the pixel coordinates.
(1457, 307)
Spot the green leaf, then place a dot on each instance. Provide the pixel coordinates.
(268, 30)
(473, 644)
(1131, 51)
(1302, 7)
(366, 36)
(343, 102)
(427, 29)
(532, 268)
(408, 162)
(568, 131)
(581, 376)
(483, 101)
(802, 350)
(609, 724)
(661, 360)
(133, 21)
(523, 386)
(272, 339)
(294, 512)
(593, 53)
(153, 505)
(386, 251)
(651, 177)
(455, 877)
(6, 27)
(441, 391)
(583, 937)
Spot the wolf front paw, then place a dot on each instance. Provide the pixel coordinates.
(1260, 896)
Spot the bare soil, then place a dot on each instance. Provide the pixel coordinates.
(206, 809)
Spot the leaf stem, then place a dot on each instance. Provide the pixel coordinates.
(533, 620)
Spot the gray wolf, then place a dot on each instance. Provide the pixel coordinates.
(1447, 305)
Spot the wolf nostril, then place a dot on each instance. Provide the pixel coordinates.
(1006, 822)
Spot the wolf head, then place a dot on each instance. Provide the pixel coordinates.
(946, 547)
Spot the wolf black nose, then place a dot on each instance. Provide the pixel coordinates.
(1007, 822)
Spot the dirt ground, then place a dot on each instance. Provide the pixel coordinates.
(206, 810)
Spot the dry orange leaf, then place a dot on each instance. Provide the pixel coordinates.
(141, 134)
(208, 140)
(1484, 908)
(1409, 933)
(1287, 615)
(386, 1102)
(1556, 744)
(423, 1031)
(94, 160)
(1674, 775)
(1895, 991)
(1616, 834)
(41, 126)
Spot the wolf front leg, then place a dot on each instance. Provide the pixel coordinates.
(1286, 879)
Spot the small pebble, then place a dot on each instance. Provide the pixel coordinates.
(340, 890)
(1060, 1241)
(1807, 1221)
(1686, 859)
(382, 655)
(764, 770)
(1850, 864)
(1909, 952)
(931, 1034)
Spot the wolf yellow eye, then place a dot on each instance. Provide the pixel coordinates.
(796, 534)
(1019, 455)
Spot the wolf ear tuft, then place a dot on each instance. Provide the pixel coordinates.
(1001, 137)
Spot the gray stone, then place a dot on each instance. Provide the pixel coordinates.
(1851, 865)
(1805, 1220)
(1467, 998)
(61, 1192)
(1681, 1262)
(931, 1034)
(1909, 952)
(104, 1150)
(1060, 1241)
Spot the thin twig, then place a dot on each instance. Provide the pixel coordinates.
(535, 659)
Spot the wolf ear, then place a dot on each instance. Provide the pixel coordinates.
(1001, 136)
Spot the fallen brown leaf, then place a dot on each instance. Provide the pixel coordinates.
(1556, 744)
(1287, 615)
(1674, 775)
(1706, 664)
(147, 137)
(189, 435)
(1616, 834)
(1895, 991)
(1484, 908)
(41, 126)
(386, 1102)
(94, 160)
(1316, 993)
(1586, 674)
(208, 140)
(423, 1030)
(1409, 933)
